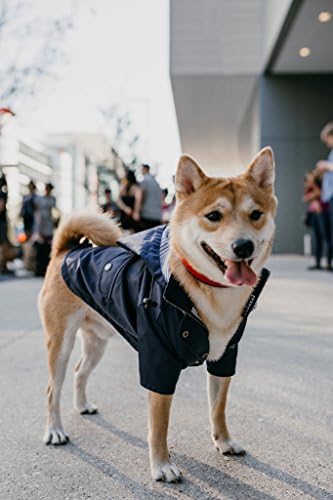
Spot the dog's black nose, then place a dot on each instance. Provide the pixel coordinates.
(243, 248)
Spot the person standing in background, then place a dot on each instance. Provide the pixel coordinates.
(314, 220)
(325, 168)
(3, 222)
(8, 251)
(148, 210)
(129, 197)
(109, 207)
(28, 209)
(3, 209)
(44, 228)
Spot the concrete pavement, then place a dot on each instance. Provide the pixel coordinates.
(280, 407)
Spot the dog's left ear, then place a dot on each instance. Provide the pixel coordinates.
(189, 176)
(262, 169)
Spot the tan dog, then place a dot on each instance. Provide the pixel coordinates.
(214, 220)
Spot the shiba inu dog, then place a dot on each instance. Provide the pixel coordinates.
(172, 293)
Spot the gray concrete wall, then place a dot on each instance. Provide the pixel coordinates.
(218, 49)
(210, 112)
(274, 14)
(293, 109)
(215, 37)
(215, 59)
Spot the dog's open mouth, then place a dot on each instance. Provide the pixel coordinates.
(237, 272)
(213, 255)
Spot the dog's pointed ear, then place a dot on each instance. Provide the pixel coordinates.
(262, 169)
(189, 176)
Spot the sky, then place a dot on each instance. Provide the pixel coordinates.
(117, 54)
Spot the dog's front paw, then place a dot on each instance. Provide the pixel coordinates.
(87, 409)
(166, 472)
(55, 435)
(229, 447)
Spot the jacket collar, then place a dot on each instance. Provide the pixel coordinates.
(152, 246)
(175, 295)
(147, 244)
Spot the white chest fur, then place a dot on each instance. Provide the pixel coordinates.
(221, 312)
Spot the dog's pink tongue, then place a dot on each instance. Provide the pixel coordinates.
(240, 273)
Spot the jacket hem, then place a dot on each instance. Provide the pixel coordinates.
(153, 388)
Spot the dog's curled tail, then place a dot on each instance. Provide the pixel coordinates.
(98, 228)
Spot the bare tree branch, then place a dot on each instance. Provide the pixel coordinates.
(122, 137)
(30, 46)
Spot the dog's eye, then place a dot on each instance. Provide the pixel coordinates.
(256, 214)
(214, 216)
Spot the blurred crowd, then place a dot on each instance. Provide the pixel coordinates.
(40, 217)
(142, 205)
(138, 206)
(318, 194)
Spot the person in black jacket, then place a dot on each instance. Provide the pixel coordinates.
(28, 209)
(4, 242)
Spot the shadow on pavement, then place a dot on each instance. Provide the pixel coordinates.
(215, 478)
(111, 471)
(286, 478)
(225, 483)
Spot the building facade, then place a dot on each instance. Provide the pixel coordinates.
(84, 165)
(249, 74)
(22, 160)
(79, 165)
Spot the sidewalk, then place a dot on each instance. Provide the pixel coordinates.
(280, 407)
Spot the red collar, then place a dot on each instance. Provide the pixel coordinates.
(201, 277)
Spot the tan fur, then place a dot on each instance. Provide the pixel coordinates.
(212, 303)
(63, 313)
(159, 413)
(49, 299)
(56, 305)
(100, 229)
(218, 405)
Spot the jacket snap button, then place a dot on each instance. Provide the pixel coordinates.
(185, 334)
(107, 266)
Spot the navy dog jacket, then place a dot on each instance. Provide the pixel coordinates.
(126, 284)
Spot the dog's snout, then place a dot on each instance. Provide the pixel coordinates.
(243, 248)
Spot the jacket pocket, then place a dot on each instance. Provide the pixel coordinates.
(111, 270)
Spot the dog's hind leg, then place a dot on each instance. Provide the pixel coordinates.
(217, 396)
(60, 343)
(93, 348)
